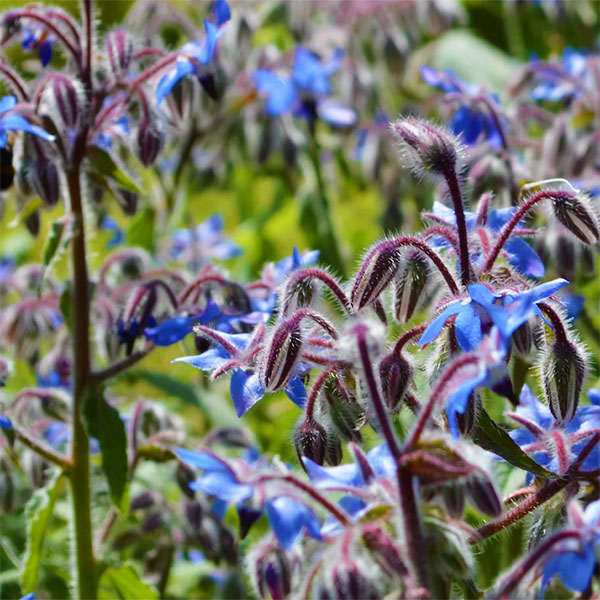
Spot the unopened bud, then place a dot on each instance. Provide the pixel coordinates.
(396, 374)
(453, 496)
(152, 522)
(347, 415)
(119, 51)
(349, 582)
(64, 100)
(466, 420)
(384, 550)
(274, 574)
(411, 286)
(575, 213)
(522, 339)
(32, 222)
(128, 201)
(298, 293)
(282, 355)
(484, 496)
(563, 371)
(310, 440)
(333, 452)
(425, 148)
(185, 475)
(149, 143)
(143, 500)
(45, 181)
(378, 269)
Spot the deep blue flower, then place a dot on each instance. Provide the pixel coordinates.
(305, 91)
(39, 41)
(5, 422)
(574, 560)
(472, 119)
(574, 304)
(566, 80)
(109, 224)
(508, 311)
(194, 56)
(236, 481)
(15, 122)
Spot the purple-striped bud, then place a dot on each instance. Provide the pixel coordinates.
(576, 214)
(119, 51)
(396, 374)
(346, 414)
(563, 371)
(271, 571)
(522, 339)
(333, 452)
(425, 148)
(484, 496)
(298, 293)
(453, 497)
(347, 581)
(377, 271)
(149, 143)
(45, 181)
(411, 286)
(466, 420)
(310, 440)
(64, 100)
(384, 550)
(282, 356)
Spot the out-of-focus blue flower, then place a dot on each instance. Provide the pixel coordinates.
(574, 304)
(5, 422)
(508, 311)
(574, 559)
(473, 119)
(541, 433)
(232, 482)
(14, 122)
(39, 41)
(194, 56)
(565, 80)
(117, 129)
(201, 244)
(117, 238)
(305, 91)
(275, 273)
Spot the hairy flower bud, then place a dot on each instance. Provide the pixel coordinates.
(425, 148)
(143, 500)
(272, 571)
(119, 51)
(411, 286)
(347, 581)
(396, 374)
(484, 496)
(310, 440)
(522, 339)
(575, 213)
(466, 420)
(64, 100)
(377, 271)
(45, 181)
(282, 356)
(333, 451)
(149, 143)
(563, 371)
(298, 293)
(384, 550)
(347, 415)
(453, 497)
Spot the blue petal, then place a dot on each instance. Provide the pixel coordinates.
(222, 485)
(6, 103)
(468, 122)
(210, 312)
(594, 396)
(434, 328)
(170, 331)
(45, 52)
(201, 460)
(545, 290)
(210, 44)
(18, 123)
(524, 258)
(335, 113)
(574, 569)
(296, 391)
(308, 73)
(287, 518)
(167, 83)
(222, 12)
(498, 218)
(333, 477)
(5, 423)
(467, 328)
(245, 390)
(458, 400)
(480, 294)
(381, 460)
(207, 361)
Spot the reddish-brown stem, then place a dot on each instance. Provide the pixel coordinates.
(154, 69)
(88, 24)
(122, 365)
(559, 328)
(316, 388)
(42, 449)
(211, 278)
(14, 81)
(331, 284)
(406, 337)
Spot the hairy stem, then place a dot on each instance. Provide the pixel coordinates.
(42, 449)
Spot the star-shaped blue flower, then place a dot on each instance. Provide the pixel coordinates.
(14, 122)
(38, 41)
(305, 91)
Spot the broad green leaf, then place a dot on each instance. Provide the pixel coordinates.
(66, 305)
(38, 512)
(123, 583)
(489, 436)
(105, 424)
(102, 162)
(28, 209)
(141, 229)
(52, 243)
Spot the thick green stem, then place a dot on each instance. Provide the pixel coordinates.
(80, 472)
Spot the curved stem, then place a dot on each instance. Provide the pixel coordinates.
(120, 366)
(14, 81)
(406, 337)
(324, 277)
(559, 328)
(42, 449)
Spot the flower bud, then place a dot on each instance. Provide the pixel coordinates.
(575, 213)
(378, 269)
(466, 420)
(396, 374)
(348, 582)
(384, 550)
(143, 500)
(310, 440)
(149, 143)
(32, 222)
(522, 339)
(563, 371)
(119, 51)
(298, 293)
(7, 171)
(484, 496)
(333, 451)
(274, 574)
(45, 181)
(152, 523)
(411, 286)
(347, 415)
(282, 356)
(453, 497)
(64, 100)
(425, 148)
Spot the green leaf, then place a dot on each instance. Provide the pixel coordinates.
(489, 436)
(53, 242)
(105, 424)
(66, 305)
(28, 209)
(124, 583)
(155, 453)
(38, 512)
(102, 162)
(169, 385)
(141, 229)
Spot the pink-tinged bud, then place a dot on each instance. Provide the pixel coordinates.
(563, 372)
(426, 148)
(348, 582)
(396, 374)
(282, 356)
(149, 143)
(45, 181)
(377, 271)
(310, 440)
(484, 496)
(411, 286)
(575, 213)
(466, 420)
(119, 51)
(64, 100)
(384, 550)
(298, 294)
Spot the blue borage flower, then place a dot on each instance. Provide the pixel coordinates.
(117, 238)
(40, 41)
(14, 122)
(5, 422)
(472, 119)
(507, 311)
(238, 481)
(520, 254)
(555, 446)
(194, 56)
(305, 91)
(574, 560)
(203, 243)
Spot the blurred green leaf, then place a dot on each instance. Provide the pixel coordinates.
(103, 163)
(141, 229)
(125, 584)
